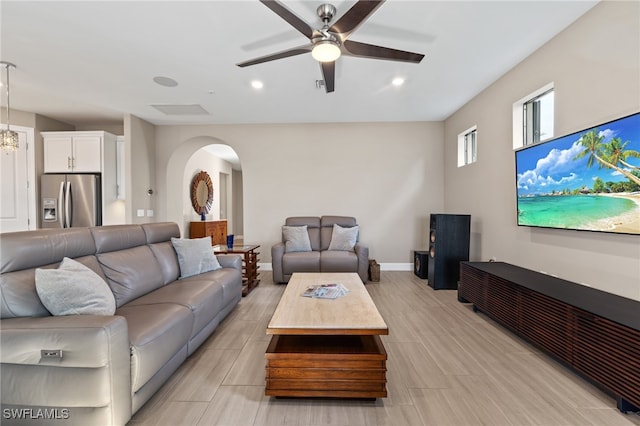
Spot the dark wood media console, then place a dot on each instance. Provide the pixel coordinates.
(595, 333)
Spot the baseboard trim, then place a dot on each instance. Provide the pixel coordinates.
(396, 266)
(383, 266)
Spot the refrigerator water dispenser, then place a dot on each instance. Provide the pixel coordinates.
(49, 207)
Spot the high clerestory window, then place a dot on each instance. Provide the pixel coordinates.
(533, 117)
(468, 146)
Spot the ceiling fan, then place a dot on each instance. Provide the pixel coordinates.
(331, 41)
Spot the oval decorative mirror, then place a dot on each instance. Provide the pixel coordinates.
(202, 193)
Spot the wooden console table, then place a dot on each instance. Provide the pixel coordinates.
(595, 333)
(216, 229)
(250, 278)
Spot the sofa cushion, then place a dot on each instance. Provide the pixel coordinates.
(158, 232)
(156, 332)
(74, 289)
(195, 256)
(231, 281)
(343, 239)
(202, 294)
(32, 249)
(131, 273)
(166, 256)
(338, 261)
(296, 238)
(117, 237)
(308, 261)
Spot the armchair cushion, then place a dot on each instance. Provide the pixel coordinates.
(74, 289)
(296, 238)
(343, 239)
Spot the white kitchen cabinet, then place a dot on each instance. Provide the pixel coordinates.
(88, 152)
(73, 152)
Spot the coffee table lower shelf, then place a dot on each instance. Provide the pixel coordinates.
(336, 366)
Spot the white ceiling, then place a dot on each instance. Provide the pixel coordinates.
(87, 62)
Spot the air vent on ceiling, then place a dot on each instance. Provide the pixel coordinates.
(181, 109)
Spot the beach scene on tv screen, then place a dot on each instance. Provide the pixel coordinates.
(588, 180)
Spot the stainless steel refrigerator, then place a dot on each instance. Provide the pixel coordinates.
(70, 200)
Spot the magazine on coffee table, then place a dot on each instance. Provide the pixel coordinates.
(326, 291)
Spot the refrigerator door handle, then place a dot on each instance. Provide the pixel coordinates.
(60, 205)
(67, 206)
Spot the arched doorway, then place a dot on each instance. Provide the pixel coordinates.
(220, 161)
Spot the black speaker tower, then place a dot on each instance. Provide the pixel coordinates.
(448, 246)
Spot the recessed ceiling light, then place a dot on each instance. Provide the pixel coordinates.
(257, 84)
(165, 81)
(398, 81)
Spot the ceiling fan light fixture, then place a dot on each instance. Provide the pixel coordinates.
(325, 51)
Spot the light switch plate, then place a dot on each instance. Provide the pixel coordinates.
(140, 212)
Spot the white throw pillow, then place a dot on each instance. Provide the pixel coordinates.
(74, 289)
(195, 256)
(296, 238)
(343, 239)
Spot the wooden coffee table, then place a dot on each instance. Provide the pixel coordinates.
(326, 347)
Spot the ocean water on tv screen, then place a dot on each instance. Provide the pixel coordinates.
(573, 211)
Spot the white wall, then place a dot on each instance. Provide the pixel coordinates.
(595, 67)
(388, 175)
(202, 160)
(140, 171)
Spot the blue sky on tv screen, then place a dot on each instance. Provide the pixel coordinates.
(551, 165)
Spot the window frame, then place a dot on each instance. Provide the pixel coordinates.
(464, 143)
(519, 116)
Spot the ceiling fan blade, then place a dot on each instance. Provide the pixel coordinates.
(328, 75)
(355, 16)
(293, 20)
(279, 55)
(364, 50)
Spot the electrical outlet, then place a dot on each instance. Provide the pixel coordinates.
(140, 212)
(149, 213)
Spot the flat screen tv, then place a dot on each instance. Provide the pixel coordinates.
(588, 180)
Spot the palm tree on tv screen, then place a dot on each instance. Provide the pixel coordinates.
(616, 153)
(607, 155)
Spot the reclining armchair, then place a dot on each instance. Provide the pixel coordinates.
(319, 244)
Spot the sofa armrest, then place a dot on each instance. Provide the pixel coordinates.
(230, 261)
(277, 252)
(362, 252)
(91, 382)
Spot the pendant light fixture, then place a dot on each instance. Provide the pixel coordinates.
(8, 138)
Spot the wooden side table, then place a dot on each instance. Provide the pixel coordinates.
(250, 277)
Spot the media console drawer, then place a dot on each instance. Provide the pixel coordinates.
(345, 366)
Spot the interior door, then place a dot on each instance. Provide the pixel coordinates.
(223, 196)
(17, 187)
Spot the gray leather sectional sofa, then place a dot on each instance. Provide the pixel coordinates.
(319, 258)
(111, 364)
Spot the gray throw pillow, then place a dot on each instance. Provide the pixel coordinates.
(296, 238)
(74, 289)
(343, 239)
(195, 256)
